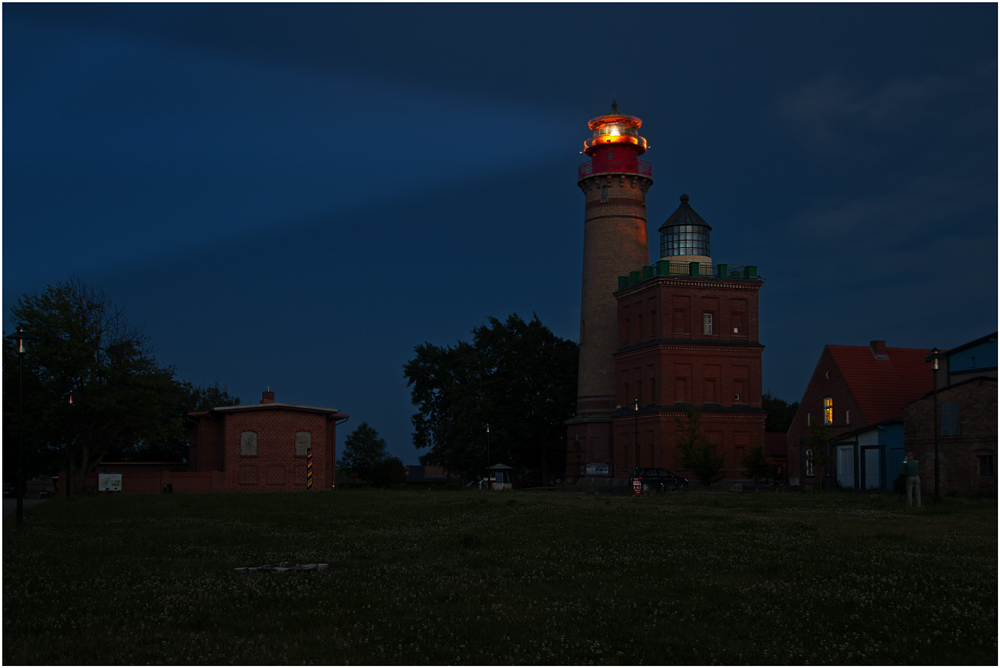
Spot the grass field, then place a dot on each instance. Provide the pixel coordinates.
(474, 577)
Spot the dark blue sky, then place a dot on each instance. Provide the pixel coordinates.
(296, 196)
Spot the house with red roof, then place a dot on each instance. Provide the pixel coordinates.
(852, 388)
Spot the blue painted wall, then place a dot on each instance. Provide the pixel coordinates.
(891, 438)
(982, 356)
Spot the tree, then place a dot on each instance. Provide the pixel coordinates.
(363, 449)
(697, 454)
(516, 376)
(817, 438)
(126, 403)
(388, 472)
(172, 445)
(779, 414)
(756, 463)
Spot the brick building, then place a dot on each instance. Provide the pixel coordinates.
(967, 422)
(680, 333)
(266, 447)
(853, 387)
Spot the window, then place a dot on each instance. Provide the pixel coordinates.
(847, 417)
(686, 240)
(828, 410)
(809, 462)
(710, 391)
(303, 442)
(604, 194)
(707, 320)
(950, 418)
(809, 419)
(248, 444)
(986, 466)
(738, 391)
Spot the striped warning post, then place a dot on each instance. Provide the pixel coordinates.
(309, 468)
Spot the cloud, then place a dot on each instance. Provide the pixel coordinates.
(828, 113)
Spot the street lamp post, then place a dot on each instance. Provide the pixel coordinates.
(635, 403)
(20, 336)
(933, 358)
(487, 449)
(71, 398)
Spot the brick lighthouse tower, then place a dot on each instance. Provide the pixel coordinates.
(614, 183)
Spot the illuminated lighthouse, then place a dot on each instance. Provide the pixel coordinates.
(661, 341)
(614, 183)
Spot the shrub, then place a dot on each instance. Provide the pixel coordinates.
(388, 473)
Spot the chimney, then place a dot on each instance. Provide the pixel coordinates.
(267, 397)
(879, 349)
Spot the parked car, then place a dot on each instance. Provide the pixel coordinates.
(8, 489)
(657, 480)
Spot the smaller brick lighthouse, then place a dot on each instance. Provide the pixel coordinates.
(685, 331)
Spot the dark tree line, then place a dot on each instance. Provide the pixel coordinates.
(515, 376)
(126, 406)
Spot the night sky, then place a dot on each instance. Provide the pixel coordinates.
(296, 196)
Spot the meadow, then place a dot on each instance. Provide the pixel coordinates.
(475, 577)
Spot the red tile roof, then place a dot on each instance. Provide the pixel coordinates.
(882, 386)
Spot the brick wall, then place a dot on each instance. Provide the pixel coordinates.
(959, 456)
(669, 362)
(276, 466)
(152, 482)
(811, 403)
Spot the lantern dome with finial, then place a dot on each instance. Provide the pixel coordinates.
(614, 128)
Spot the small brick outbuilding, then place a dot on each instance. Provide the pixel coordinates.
(265, 447)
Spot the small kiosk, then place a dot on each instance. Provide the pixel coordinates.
(500, 477)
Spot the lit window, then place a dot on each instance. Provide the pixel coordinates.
(828, 410)
(708, 324)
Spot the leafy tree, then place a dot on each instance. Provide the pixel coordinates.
(516, 376)
(184, 397)
(388, 472)
(126, 405)
(697, 454)
(363, 449)
(817, 438)
(779, 414)
(83, 341)
(756, 463)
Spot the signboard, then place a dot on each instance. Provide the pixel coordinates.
(636, 487)
(597, 468)
(109, 482)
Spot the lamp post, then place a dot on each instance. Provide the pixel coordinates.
(635, 404)
(487, 450)
(70, 398)
(20, 337)
(933, 358)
